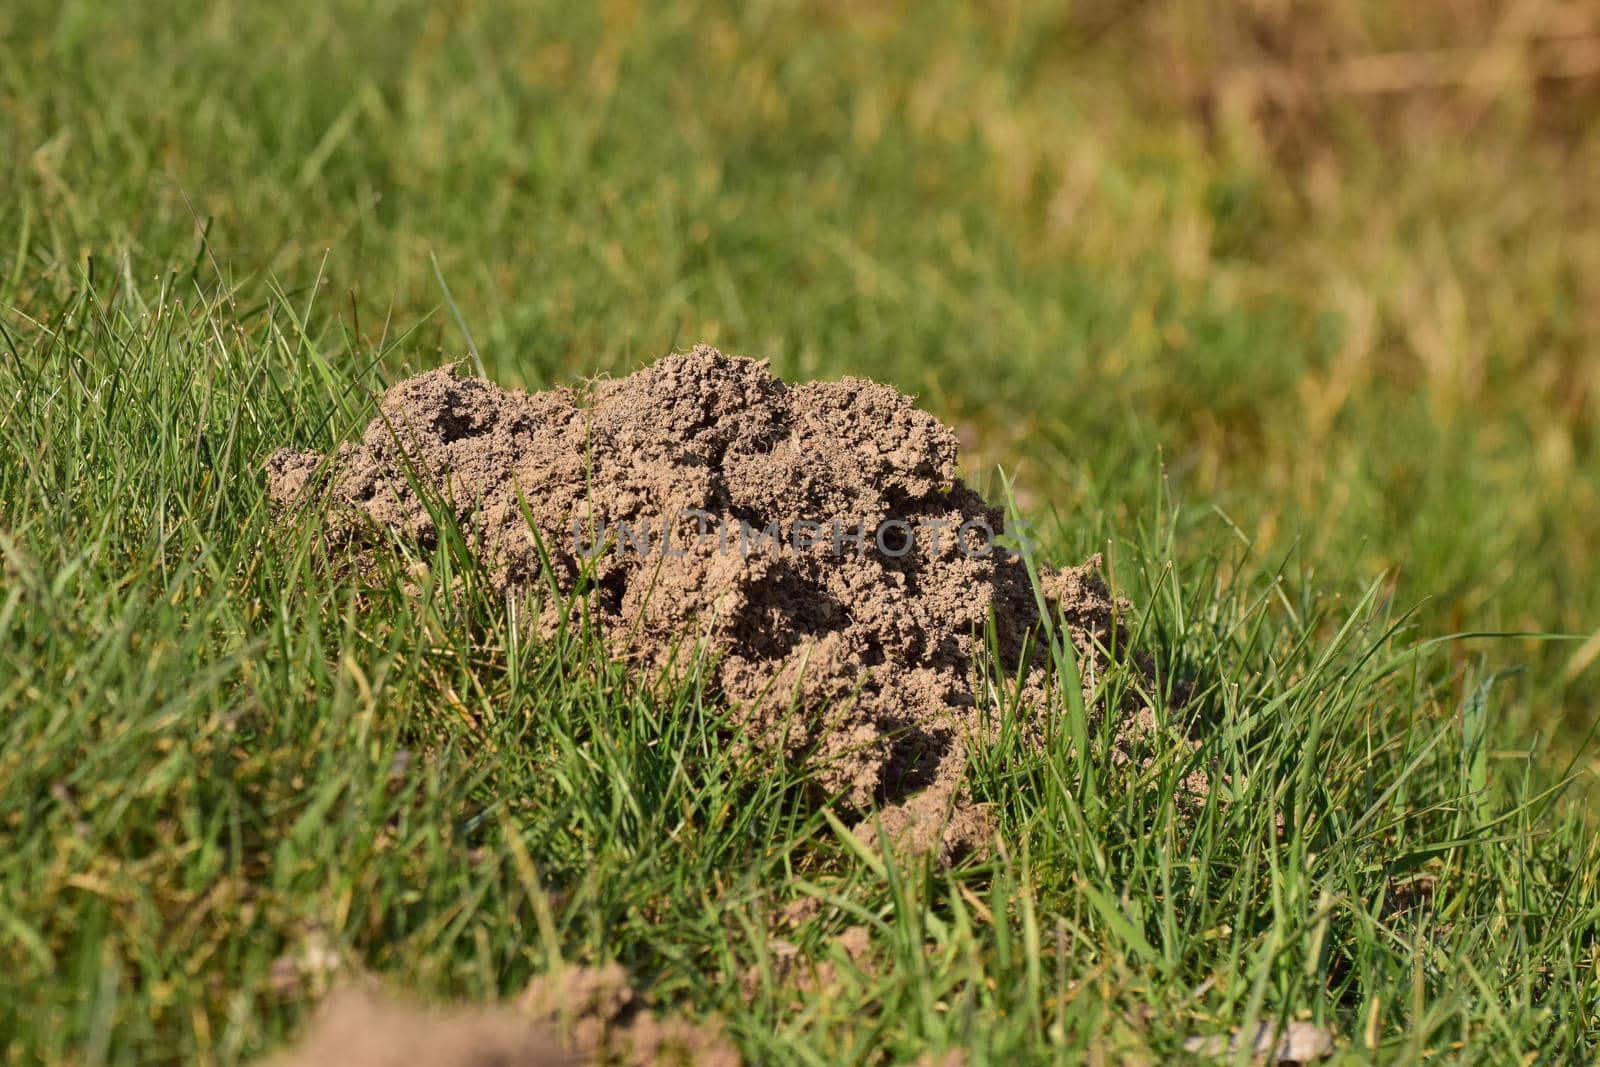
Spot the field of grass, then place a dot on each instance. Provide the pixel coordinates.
(1313, 356)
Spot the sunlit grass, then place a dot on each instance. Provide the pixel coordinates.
(1322, 385)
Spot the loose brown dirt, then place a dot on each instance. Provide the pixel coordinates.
(356, 1027)
(596, 1012)
(573, 1017)
(852, 660)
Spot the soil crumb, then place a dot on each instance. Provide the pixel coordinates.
(814, 537)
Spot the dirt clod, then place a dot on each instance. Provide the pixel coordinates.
(815, 538)
(597, 1013)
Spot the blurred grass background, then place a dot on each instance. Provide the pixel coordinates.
(1336, 266)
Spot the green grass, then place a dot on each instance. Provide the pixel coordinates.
(1324, 389)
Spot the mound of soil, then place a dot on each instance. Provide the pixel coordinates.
(814, 537)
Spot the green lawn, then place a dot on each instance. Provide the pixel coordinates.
(1321, 376)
